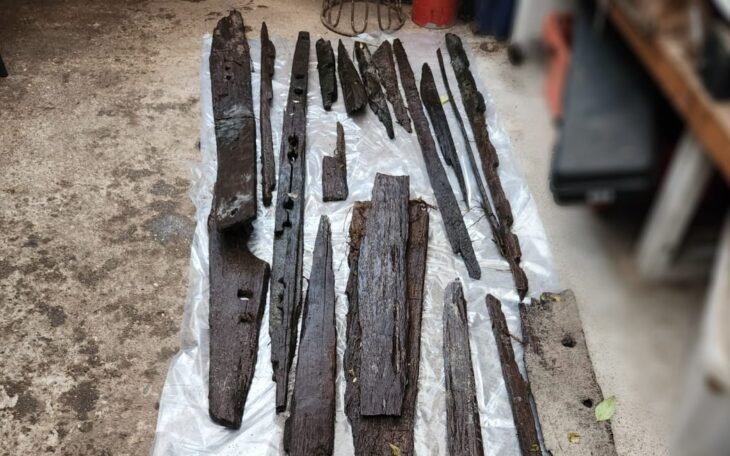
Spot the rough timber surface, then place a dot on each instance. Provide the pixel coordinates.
(381, 290)
(561, 377)
(384, 435)
(266, 95)
(310, 428)
(435, 110)
(326, 71)
(518, 389)
(454, 222)
(385, 65)
(286, 268)
(376, 97)
(334, 171)
(475, 107)
(353, 90)
(464, 431)
(234, 201)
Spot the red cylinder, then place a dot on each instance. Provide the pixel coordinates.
(434, 13)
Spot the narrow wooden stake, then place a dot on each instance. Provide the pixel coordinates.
(376, 97)
(266, 95)
(385, 64)
(326, 71)
(353, 90)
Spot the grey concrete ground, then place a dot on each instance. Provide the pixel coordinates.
(98, 126)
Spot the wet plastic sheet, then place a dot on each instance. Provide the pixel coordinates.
(184, 427)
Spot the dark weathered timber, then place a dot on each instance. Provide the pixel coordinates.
(475, 110)
(334, 171)
(286, 268)
(435, 110)
(506, 241)
(385, 435)
(266, 95)
(518, 389)
(376, 97)
(353, 90)
(326, 71)
(464, 432)
(3, 70)
(238, 280)
(562, 380)
(381, 286)
(384, 63)
(455, 228)
(310, 428)
(235, 126)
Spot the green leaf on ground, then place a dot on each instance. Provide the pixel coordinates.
(606, 409)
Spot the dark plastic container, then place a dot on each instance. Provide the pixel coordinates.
(494, 17)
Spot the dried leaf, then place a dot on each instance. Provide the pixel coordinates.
(394, 450)
(606, 409)
(573, 437)
(444, 99)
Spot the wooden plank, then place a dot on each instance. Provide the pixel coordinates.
(376, 97)
(674, 71)
(266, 95)
(234, 200)
(464, 432)
(286, 269)
(326, 71)
(385, 65)
(381, 286)
(238, 280)
(379, 435)
(310, 429)
(435, 110)
(455, 228)
(334, 171)
(518, 389)
(353, 90)
(561, 377)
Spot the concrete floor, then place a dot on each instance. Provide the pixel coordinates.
(99, 125)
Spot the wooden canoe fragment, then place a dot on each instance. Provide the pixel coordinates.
(234, 198)
(286, 268)
(266, 95)
(382, 435)
(334, 171)
(238, 280)
(385, 65)
(353, 90)
(518, 389)
(561, 376)
(475, 110)
(310, 429)
(464, 431)
(326, 71)
(376, 97)
(455, 228)
(435, 110)
(381, 286)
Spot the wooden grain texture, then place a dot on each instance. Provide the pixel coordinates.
(475, 107)
(376, 97)
(381, 286)
(286, 268)
(334, 171)
(464, 432)
(326, 71)
(435, 109)
(353, 90)
(384, 435)
(238, 280)
(561, 377)
(454, 222)
(310, 428)
(234, 200)
(518, 389)
(385, 65)
(266, 95)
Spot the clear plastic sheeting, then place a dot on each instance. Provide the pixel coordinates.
(184, 427)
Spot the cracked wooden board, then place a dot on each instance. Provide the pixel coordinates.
(326, 72)
(266, 95)
(376, 97)
(383, 435)
(310, 428)
(561, 378)
(353, 90)
(385, 65)
(286, 268)
(334, 171)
